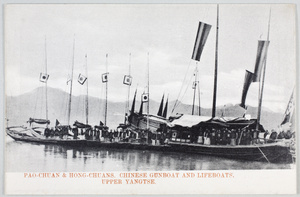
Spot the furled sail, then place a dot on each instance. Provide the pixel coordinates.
(262, 50)
(247, 82)
(202, 33)
(160, 110)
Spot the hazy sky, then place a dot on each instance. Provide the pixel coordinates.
(167, 32)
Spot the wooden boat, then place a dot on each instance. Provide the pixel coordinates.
(29, 135)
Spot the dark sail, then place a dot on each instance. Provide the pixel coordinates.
(133, 103)
(160, 110)
(262, 50)
(165, 110)
(247, 82)
(202, 33)
(141, 109)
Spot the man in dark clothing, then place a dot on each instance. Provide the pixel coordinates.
(75, 132)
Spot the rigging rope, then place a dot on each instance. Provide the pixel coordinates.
(184, 79)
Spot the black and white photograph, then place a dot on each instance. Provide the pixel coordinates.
(145, 94)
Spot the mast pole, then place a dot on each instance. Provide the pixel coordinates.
(71, 85)
(216, 67)
(199, 94)
(87, 92)
(128, 91)
(195, 83)
(46, 87)
(105, 116)
(261, 86)
(148, 78)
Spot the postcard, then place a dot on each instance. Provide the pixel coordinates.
(150, 99)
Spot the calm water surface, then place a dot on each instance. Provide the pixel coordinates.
(22, 156)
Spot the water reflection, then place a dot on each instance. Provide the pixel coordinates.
(22, 156)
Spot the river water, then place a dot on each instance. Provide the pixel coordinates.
(31, 157)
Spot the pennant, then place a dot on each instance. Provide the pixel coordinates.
(81, 79)
(43, 77)
(127, 80)
(289, 112)
(57, 123)
(160, 110)
(145, 97)
(166, 109)
(262, 50)
(194, 85)
(104, 77)
(247, 82)
(202, 33)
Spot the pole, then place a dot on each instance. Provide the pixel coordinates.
(199, 94)
(261, 88)
(148, 78)
(46, 81)
(87, 92)
(128, 91)
(105, 116)
(216, 67)
(71, 85)
(195, 83)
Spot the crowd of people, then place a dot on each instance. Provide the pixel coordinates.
(206, 136)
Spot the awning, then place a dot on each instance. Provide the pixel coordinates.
(188, 120)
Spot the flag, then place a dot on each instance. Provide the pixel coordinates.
(289, 112)
(145, 97)
(166, 109)
(43, 77)
(247, 82)
(101, 123)
(81, 79)
(262, 50)
(194, 85)
(160, 110)
(57, 123)
(202, 33)
(127, 80)
(104, 77)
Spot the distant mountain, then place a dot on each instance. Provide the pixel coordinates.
(32, 104)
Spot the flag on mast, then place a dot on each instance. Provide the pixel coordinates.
(44, 77)
(145, 97)
(81, 79)
(104, 77)
(262, 50)
(247, 82)
(289, 112)
(202, 33)
(127, 80)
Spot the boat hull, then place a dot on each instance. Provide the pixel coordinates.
(274, 152)
(64, 142)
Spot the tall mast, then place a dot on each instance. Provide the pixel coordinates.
(128, 91)
(199, 112)
(194, 87)
(87, 92)
(148, 78)
(71, 85)
(46, 81)
(105, 116)
(261, 85)
(216, 67)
